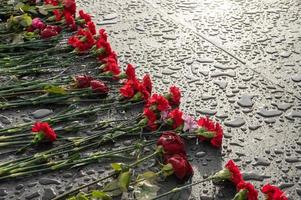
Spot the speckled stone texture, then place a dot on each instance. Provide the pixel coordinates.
(237, 61)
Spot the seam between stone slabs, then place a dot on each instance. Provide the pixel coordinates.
(216, 44)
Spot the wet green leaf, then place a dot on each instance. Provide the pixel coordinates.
(149, 176)
(112, 188)
(145, 190)
(124, 180)
(97, 194)
(167, 170)
(43, 11)
(25, 20)
(117, 166)
(51, 89)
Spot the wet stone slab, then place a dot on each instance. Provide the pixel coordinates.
(261, 119)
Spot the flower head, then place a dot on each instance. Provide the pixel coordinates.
(91, 27)
(70, 21)
(50, 31)
(151, 118)
(158, 102)
(210, 131)
(45, 130)
(83, 81)
(37, 23)
(230, 172)
(84, 16)
(99, 87)
(246, 191)
(70, 6)
(130, 72)
(273, 193)
(174, 96)
(190, 124)
(171, 143)
(147, 82)
(176, 118)
(180, 165)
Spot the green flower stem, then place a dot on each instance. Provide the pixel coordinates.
(62, 196)
(178, 189)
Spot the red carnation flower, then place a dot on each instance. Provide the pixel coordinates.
(151, 118)
(176, 117)
(84, 16)
(231, 173)
(236, 176)
(70, 6)
(174, 96)
(103, 35)
(45, 129)
(103, 48)
(111, 66)
(210, 131)
(70, 21)
(83, 81)
(147, 82)
(91, 27)
(52, 2)
(130, 72)
(181, 167)
(99, 87)
(158, 102)
(127, 90)
(247, 190)
(273, 193)
(58, 15)
(171, 143)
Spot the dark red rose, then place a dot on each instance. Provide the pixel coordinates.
(171, 143)
(84, 16)
(50, 31)
(181, 167)
(130, 72)
(210, 131)
(44, 127)
(236, 176)
(159, 101)
(174, 96)
(252, 193)
(177, 118)
(151, 118)
(37, 23)
(99, 87)
(273, 193)
(83, 81)
(147, 83)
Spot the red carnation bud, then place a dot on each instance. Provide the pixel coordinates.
(99, 87)
(45, 129)
(273, 193)
(171, 143)
(181, 167)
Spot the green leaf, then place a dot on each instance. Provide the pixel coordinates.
(18, 38)
(145, 190)
(112, 188)
(97, 194)
(19, 5)
(124, 180)
(116, 166)
(149, 176)
(51, 89)
(81, 196)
